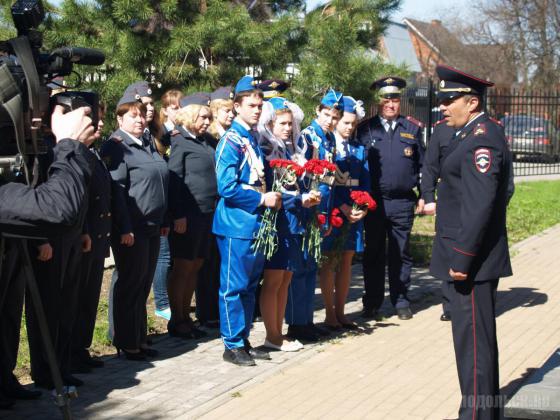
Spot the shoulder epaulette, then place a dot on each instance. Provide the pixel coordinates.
(480, 129)
(415, 121)
(364, 122)
(494, 120)
(174, 132)
(439, 122)
(116, 139)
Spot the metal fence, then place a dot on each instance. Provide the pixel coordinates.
(531, 121)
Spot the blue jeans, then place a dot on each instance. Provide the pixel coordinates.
(161, 275)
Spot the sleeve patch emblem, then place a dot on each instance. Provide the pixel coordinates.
(482, 160)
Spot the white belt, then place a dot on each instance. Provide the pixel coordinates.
(260, 189)
(349, 183)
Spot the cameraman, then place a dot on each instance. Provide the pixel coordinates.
(55, 204)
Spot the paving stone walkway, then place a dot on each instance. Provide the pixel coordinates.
(389, 369)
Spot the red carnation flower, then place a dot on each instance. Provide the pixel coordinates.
(335, 219)
(322, 219)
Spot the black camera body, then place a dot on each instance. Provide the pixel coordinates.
(25, 102)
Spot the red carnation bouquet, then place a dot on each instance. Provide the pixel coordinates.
(362, 201)
(318, 171)
(286, 174)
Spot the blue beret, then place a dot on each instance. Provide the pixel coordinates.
(246, 83)
(198, 98)
(332, 99)
(278, 103)
(454, 83)
(389, 87)
(222, 93)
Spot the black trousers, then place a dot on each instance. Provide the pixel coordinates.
(208, 286)
(135, 266)
(387, 242)
(446, 296)
(91, 279)
(473, 321)
(12, 286)
(58, 282)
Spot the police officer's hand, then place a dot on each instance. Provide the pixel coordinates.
(419, 207)
(457, 276)
(430, 209)
(164, 231)
(127, 239)
(273, 200)
(74, 125)
(85, 239)
(310, 199)
(45, 252)
(180, 225)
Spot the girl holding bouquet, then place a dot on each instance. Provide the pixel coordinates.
(351, 199)
(279, 121)
(315, 142)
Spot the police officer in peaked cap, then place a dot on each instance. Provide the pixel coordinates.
(395, 159)
(471, 247)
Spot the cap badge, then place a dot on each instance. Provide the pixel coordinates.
(442, 84)
(389, 81)
(274, 85)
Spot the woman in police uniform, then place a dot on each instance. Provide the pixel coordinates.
(193, 198)
(140, 178)
(339, 247)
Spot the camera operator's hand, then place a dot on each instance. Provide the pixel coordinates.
(86, 242)
(45, 252)
(127, 239)
(74, 125)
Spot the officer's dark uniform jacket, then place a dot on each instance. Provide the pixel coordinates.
(473, 193)
(61, 199)
(99, 217)
(192, 175)
(140, 183)
(394, 163)
(440, 140)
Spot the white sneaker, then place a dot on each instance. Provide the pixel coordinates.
(165, 313)
(288, 346)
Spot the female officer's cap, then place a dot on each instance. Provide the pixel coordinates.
(332, 99)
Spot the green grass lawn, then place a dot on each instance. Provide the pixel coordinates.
(534, 207)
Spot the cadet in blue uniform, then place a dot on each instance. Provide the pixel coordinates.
(471, 247)
(352, 175)
(395, 160)
(277, 124)
(242, 198)
(315, 141)
(140, 180)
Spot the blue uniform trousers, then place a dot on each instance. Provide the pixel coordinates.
(240, 272)
(387, 241)
(301, 293)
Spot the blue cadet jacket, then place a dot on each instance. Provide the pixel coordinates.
(395, 162)
(290, 217)
(353, 172)
(140, 183)
(317, 144)
(192, 188)
(241, 183)
(471, 232)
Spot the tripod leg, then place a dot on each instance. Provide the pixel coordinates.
(61, 398)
